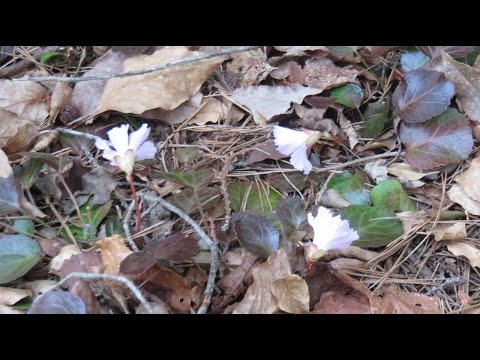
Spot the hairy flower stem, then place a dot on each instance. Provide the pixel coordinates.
(135, 198)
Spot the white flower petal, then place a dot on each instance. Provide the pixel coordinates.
(300, 161)
(110, 154)
(102, 144)
(119, 138)
(288, 140)
(146, 151)
(138, 137)
(331, 232)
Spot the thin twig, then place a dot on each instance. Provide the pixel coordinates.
(183, 62)
(206, 241)
(127, 229)
(79, 133)
(128, 283)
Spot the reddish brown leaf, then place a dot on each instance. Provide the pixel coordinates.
(82, 289)
(324, 74)
(422, 94)
(136, 264)
(177, 247)
(393, 301)
(336, 303)
(263, 151)
(169, 286)
(441, 141)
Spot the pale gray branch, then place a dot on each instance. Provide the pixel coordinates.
(183, 62)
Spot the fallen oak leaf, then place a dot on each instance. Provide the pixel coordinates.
(457, 195)
(467, 250)
(292, 294)
(259, 298)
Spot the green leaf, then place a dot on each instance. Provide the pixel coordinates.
(256, 234)
(194, 179)
(114, 226)
(185, 155)
(185, 199)
(18, 254)
(256, 198)
(29, 172)
(351, 187)
(350, 95)
(373, 232)
(58, 302)
(10, 195)
(299, 180)
(412, 60)
(292, 215)
(376, 117)
(24, 226)
(45, 58)
(391, 195)
(91, 218)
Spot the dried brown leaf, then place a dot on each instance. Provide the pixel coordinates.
(263, 151)
(468, 180)
(177, 247)
(450, 232)
(377, 170)
(212, 111)
(250, 67)
(39, 287)
(61, 96)
(332, 302)
(259, 298)
(292, 294)
(136, 94)
(16, 133)
(113, 252)
(348, 129)
(26, 99)
(331, 198)
(87, 94)
(5, 168)
(467, 85)
(323, 73)
(99, 183)
(390, 300)
(405, 172)
(467, 250)
(82, 289)
(65, 253)
(265, 101)
(178, 115)
(456, 194)
(171, 287)
(10, 296)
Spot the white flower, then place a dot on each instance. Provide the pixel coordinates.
(330, 232)
(127, 148)
(295, 143)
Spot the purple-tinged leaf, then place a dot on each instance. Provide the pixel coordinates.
(441, 141)
(422, 94)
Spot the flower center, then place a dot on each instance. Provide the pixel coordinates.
(126, 162)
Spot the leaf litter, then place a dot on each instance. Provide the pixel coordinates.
(398, 162)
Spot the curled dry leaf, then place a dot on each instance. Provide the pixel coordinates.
(292, 294)
(405, 172)
(61, 96)
(348, 129)
(332, 199)
(267, 101)
(410, 219)
(16, 133)
(113, 252)
(456, 194)
(26, 99)
(345, 263)
(10, 296)
(467, 85)
(377, 170)
(259, 298)
(467, 250)
(65, 253)
(468, 180)
(450, 232)
(5, 168)
(136, 94)
(212, 111)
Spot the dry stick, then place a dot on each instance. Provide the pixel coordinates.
(207, 294)
(127, 229)
(122, 279)
(183, 62)
(24, 63)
